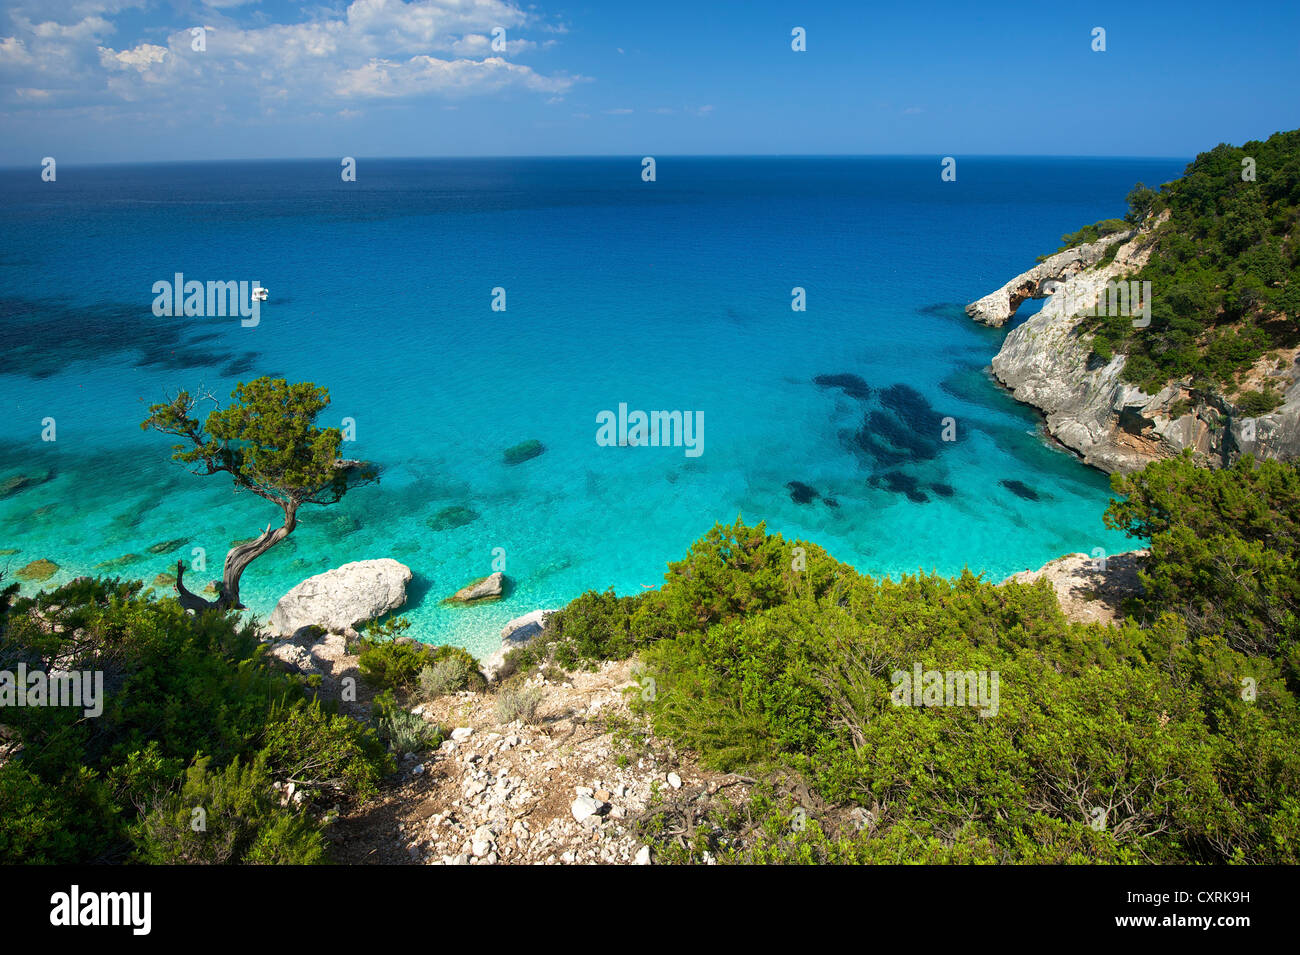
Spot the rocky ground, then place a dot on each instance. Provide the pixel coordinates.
(568, 788)
(1090, 590)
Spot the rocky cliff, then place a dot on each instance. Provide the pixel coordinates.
(1112, 424)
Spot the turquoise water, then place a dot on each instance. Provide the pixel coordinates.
(673, 295)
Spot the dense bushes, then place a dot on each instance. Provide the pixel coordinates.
(732, 571)
(1225, 551)
(193, 718)
(1224, 269)
(1172, 738)
(389, 662)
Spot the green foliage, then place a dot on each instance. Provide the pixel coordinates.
(303, 742)
(1254, 403)
(1091, 233)
(1225, 549)
(1223, 269)
(449, 675)
(266, 439)
(388, 662)
(404, 731)
(1148, 723)
(732, 571)
(181, 691)
(518, 703)
(226, 817)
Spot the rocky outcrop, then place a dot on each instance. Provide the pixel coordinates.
(340, 599)
(1112, 424)
(1090, 589)
(996, 308)
(517, 633)
(483, 589)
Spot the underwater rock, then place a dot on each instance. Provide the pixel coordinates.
(452, 517)
(851, 385)
(524, 451)
(801, 493)
(117, 562)
(38, 570)
(900, 483)
(166, 547)
(1020, 489)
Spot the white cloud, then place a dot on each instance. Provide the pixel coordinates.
(372, 49)
(140, 58)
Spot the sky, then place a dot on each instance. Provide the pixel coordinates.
(89, 81)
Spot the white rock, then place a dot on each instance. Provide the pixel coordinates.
(584, 807)
(675, 781)
(462, 733)
(342, 598)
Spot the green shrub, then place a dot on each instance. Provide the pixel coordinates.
(518, 703)
(405, 731)
(224, 817)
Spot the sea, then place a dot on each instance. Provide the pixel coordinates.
(803, 314)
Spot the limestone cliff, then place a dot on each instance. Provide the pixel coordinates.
(1112, 424)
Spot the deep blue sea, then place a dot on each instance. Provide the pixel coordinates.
(670, 295)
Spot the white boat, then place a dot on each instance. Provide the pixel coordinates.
(260, 294)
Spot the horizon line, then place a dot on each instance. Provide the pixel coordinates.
(559, 156)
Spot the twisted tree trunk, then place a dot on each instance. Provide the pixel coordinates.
(237, 560)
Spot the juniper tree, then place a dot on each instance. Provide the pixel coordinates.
(268, 442)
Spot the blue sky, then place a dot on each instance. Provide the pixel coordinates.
(118, 80)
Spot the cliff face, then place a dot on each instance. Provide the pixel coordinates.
(1110, 423)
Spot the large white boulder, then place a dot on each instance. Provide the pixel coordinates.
(342, 598)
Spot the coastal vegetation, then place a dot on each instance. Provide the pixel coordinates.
(1171, 738)
(181, 764)
(1224, 267)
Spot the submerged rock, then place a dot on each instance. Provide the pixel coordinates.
(342, 598)
(166, 547)
(452, 517)
(524, 451)
(851, 385)
(38, 570)
(21, 482)
(801, 493)
(117, 562)
(901, 483)
(1020, 489)
(483, 589)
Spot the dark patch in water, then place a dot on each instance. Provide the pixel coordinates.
(900, 483)
(852, 385)
(954, 310)
(40, 338)
(830, 502)
(452, 517)
(801, 493)
(244, 363)
(524, 451)
(943, 490)
(1020, 489)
